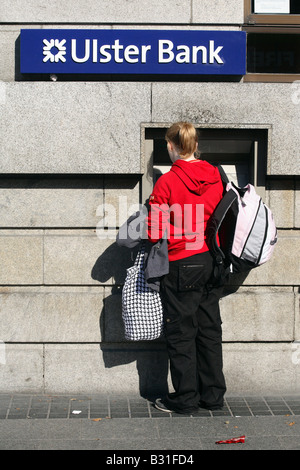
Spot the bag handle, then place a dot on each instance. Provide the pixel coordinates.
(140, 255)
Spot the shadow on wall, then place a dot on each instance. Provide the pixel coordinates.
(150, 356)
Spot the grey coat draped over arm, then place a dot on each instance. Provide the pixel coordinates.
(132, 233)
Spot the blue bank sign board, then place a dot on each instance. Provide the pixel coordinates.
(86, 51)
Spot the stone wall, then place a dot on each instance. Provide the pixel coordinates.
(67, 148)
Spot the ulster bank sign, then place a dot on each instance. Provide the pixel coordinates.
(145, 52)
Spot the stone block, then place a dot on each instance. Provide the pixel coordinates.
(72, 127)
(91, 11)
(122, 197)
(90, 368)
(217, 11)
(250, 314)
(80, 257)
(261, 368)
(112, 327)
(258, 314)
(281, 202)
(50, 314)
(22, 370)
(250, 368)
(50, 202)
(21, 257)
(283, 267)
(236, 105)
(7, 55)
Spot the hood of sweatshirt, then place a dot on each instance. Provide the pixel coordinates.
(196, 175)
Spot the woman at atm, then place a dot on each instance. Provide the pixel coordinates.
(180, 205)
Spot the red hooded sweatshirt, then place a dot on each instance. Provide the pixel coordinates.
(181, 203)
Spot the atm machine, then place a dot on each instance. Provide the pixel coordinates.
(241, 152)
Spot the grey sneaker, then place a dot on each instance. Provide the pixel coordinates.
(160, 406)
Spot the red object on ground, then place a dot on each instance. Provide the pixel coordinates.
(234, 440)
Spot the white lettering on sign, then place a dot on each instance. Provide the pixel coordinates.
(74, 54)
(107, 52)
(133, 54)
(166, 54)
(214, 53)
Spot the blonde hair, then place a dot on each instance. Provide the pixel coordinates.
(184, 136)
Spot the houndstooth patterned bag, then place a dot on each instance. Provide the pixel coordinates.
(142, 310)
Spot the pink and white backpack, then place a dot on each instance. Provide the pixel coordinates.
(241, 232)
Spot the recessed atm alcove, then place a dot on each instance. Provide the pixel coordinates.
(242, 152)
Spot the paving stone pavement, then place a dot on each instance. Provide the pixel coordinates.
(131, 423)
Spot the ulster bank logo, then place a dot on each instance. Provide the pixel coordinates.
(54, 50)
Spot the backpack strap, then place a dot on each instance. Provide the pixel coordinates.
(221, 268)
(223, 175)
(215, 222)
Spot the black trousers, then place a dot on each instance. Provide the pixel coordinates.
(193, 334)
